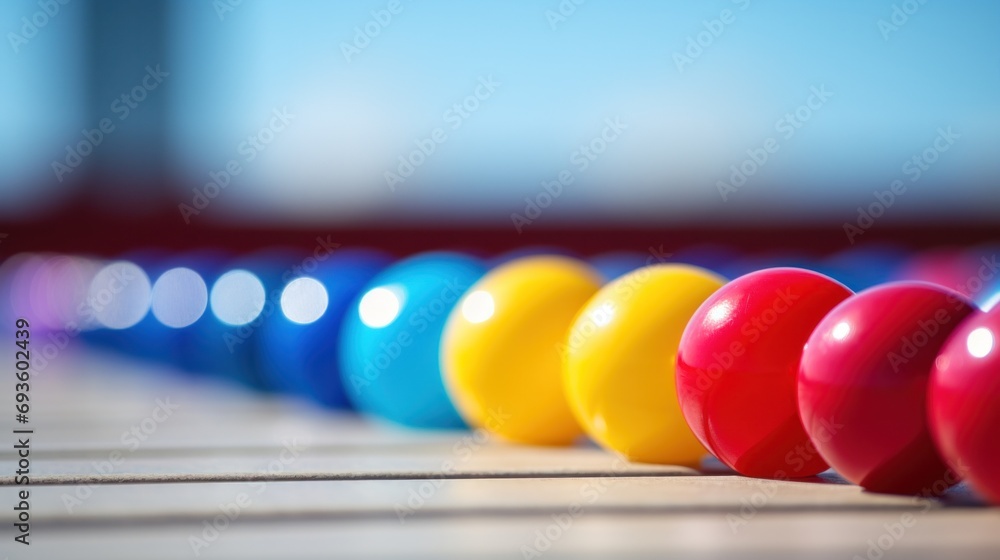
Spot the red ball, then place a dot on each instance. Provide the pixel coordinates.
(964, 402)
(737, 370)
(863, 385)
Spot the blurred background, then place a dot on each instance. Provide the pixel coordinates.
(227, 191)
(592, 125)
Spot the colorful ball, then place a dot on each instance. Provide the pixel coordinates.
(618, 263)
(501, 348)
(737, 370)
(390, 345)
(863, 385)
(964, 402)
(199, 348)
(298, 353)
(620, 357)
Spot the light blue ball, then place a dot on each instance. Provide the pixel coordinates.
(391, 338)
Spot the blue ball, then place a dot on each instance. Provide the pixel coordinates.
(147, 339)
(618, 263)
(528, 251)
(223, 343)
(710, 256)
(860, 268)
(273, 267)
(199, 348)
(390, 345)
(303, 359)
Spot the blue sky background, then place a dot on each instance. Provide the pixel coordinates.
(353, 119)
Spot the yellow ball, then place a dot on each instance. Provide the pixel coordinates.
(619, 367)
(500, 353)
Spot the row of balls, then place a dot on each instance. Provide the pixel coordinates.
(781, 373)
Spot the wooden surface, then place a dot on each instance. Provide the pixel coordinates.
(281, 479)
